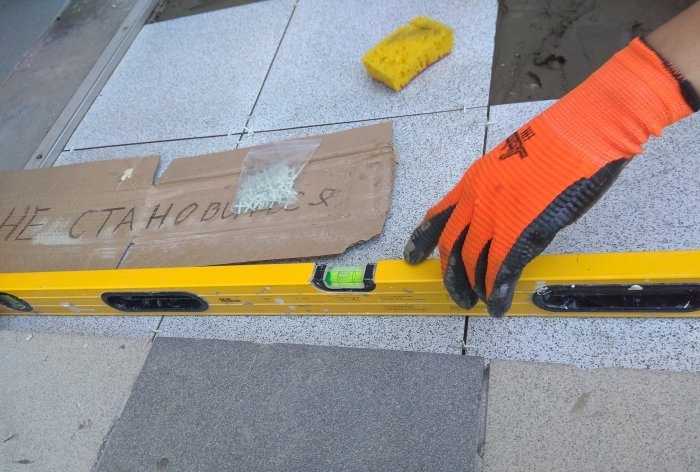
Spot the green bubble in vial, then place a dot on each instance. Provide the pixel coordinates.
(349, 277)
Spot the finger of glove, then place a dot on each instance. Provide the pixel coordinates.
(570, 205)
(451, 244)
(425, 237)
(476, 250)
(455, 276)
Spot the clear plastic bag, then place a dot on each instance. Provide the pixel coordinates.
(269, 174)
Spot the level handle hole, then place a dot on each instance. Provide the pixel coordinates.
(676, 298)
(132, 302)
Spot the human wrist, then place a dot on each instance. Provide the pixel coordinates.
(678, 41)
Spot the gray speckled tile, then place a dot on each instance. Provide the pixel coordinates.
(318, 77)
(432, 153)
(194, 76)
(423, 333)
(652, 343)
(167, 151)
(122, 326)
(652, 206)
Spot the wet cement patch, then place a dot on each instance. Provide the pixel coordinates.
(544, 49)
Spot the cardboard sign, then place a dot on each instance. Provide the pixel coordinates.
(109, 214)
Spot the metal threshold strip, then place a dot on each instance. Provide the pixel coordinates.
(77, 107)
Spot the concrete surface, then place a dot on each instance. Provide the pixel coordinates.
(219, 405)
(553, 418)
(119, 326)
(544, 49)
(22, 22)
(197, 76)
(59, 395)
(55, 65)
(318, 78)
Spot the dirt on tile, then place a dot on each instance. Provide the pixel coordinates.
(545, 48)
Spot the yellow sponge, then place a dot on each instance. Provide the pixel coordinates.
(409, 50)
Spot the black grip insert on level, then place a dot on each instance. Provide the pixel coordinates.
(673, 298)
(133, 302)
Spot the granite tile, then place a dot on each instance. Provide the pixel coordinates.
(318, 77)
(432, 152)
(651, 207)
(167, 150)
(196, 76)
(421, 333)
(635, 343)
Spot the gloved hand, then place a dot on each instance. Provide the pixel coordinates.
(511, 202)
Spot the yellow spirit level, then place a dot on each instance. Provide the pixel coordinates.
(654, 284)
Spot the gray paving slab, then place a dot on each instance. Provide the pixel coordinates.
(119, 326)
(318, 78)
(21, 24)
(652, 206)
(222, 405)
(59, 396)
(552, 418)
(191, 77)
(432, 153)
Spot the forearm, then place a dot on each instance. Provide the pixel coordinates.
(678, 41)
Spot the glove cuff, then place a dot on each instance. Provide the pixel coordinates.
(687, 91)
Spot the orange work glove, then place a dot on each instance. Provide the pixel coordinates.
(511, 202)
